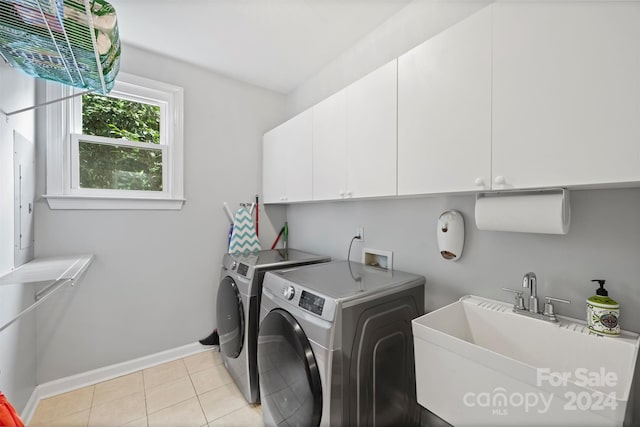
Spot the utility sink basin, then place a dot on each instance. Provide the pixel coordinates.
(479, 363)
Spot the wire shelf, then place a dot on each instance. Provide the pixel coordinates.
(54, 272)
(74, 42)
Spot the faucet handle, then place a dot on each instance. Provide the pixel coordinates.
(549, 299)
(548, 306)
(519, 304)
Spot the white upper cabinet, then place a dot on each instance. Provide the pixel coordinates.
(444, 110)
(330, 148)
(343, 147)
(566, 94)
(518, 95)
(286, 168)
(354, 139)
(372, 133)
(273, 181)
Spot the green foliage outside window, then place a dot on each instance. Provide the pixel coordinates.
(120, 167)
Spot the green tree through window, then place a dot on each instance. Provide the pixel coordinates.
(110, 166)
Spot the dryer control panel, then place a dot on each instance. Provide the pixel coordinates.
(292, 294)
(243, 269)
(311, 302)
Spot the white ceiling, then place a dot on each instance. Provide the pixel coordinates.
(275, 44)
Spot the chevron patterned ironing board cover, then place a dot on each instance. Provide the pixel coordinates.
(243, 238)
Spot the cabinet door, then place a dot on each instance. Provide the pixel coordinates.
(286, 168)
(566, 91)
(444, 110)
(298, 139)
(273, 172)
(330, 147)
(371, 133)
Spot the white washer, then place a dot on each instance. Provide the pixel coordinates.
(237, 309)
(335, 346)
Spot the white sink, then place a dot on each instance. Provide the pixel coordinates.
(478, 363)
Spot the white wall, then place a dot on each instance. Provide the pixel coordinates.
(18, 342)
(153, 284)
(418, 21)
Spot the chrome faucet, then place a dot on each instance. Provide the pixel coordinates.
(530, 281)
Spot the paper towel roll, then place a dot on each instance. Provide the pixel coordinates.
(525, 213)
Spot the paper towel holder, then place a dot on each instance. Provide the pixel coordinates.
(450, 233)
(526, 209)
(499, 193)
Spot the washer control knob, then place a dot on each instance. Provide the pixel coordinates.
(234, 264)
(289, 292)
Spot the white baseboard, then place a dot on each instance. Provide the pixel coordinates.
(74, 382)
(30, 407)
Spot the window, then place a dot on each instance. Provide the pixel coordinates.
(133, 161)
(116, 151)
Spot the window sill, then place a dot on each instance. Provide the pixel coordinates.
(112, 203)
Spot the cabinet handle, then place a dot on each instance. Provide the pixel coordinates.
(479, 182)
(341, 193)
(500, 180)
(349, 194)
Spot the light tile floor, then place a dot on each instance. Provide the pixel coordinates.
(192, 392)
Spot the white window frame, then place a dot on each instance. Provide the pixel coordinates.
(64, 131)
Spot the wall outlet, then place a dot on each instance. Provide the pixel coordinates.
(360, 233)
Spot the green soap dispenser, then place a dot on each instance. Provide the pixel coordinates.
(603, 312)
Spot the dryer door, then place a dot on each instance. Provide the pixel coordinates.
(290, 385)
(230, 317)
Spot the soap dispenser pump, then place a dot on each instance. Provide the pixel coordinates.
(603, 312)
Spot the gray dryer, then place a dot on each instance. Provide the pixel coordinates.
(335, 346)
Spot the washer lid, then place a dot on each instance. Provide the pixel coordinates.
(345, 280)
(279, 257)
